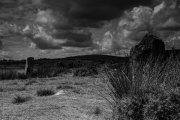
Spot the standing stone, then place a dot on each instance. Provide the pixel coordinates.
(147, 52)
(151, 47)
(29, 66)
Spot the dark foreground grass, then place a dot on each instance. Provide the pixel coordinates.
(153, 94)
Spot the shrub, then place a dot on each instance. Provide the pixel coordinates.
(151, 95)
(19, 99)
(8, 75)
(11, 75)
(21, 76)
(45, 92)
(1, 90)
(97, 111)
(85, 71)
(82, 72)
(49, 70)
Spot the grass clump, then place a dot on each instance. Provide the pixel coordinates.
(97, 111)
(153, 94)
(45, 92)
(1, 90)
(20, 99)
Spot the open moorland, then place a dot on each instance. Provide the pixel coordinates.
(59, 98)
(145, 86)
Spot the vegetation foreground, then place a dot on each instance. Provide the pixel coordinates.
(153, 94)
(60, 98)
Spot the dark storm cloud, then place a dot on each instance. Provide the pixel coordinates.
(91, 12)
(76, 39)
(41, 44)
(66, 16)
(60, 40)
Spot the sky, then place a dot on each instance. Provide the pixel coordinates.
(62, 28)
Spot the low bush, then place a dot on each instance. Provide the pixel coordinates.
(82, 72)
(97, 111)
(11, 75)
(48, 70)
(8, 75)
(85, 71)
(21, 76)
(45, 92)
(20, 99)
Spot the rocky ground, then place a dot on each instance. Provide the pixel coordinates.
(78, 99)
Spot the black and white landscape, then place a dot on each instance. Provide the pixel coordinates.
(89, 59)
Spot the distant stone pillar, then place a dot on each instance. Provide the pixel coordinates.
(29, 66)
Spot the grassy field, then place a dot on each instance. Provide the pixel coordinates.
(82, 94)
(60, 98)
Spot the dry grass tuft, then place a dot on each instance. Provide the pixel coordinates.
(20, 99)
(154, 86)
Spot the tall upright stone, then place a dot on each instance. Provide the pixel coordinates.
(147, 52)
(29, 66)
(151, 47)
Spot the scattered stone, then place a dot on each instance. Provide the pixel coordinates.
(60, 92)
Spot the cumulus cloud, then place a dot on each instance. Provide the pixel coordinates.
(68, 18)
(89, 12)
(136, 23)
(53, 32)
(107, 41)
(5, 55)
(59, 24)
(162, 20)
